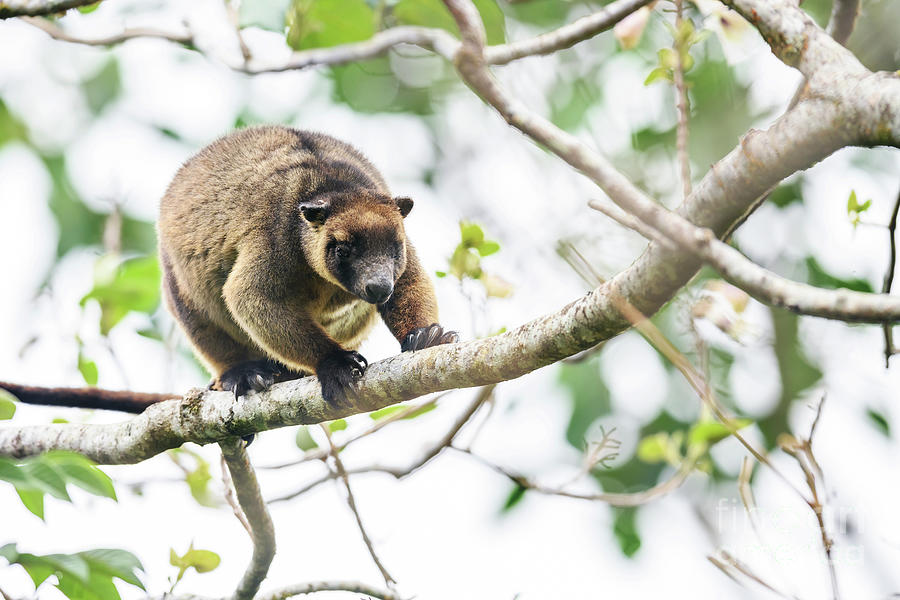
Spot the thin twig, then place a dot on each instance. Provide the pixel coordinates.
(262, 532)
(228, 486)
(57, 33)
(725, 561)
(888, 327)
(351, 502)
(234, 19)
(356, 587)
(320, 453)
(620, 500)
(681, 101)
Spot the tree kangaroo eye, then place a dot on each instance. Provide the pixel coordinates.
(342, 250)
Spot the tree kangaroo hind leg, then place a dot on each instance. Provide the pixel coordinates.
(235, 366)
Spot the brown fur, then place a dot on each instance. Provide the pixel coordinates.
(249, 278)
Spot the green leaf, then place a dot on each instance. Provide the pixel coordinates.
(440, 273)
(433, 13)
(488, 247)
(88, 369)
(471, 233)
(103, 87)
(337, 425)
(83, 473)
(44, 477)
(625, 530)
(658, 74)
(116, 563)
(198, 482)
(304, 439)
(82, 576)
(88, 8)
(654, 448)
(880, 421)
(710, 432)
(515, 496)
(33, 500)
(326, 23)
(390, 410)
(819, 278)
(203, 561)
(7, 406)
(667, 58)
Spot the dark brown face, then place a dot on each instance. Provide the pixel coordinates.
(360, 245)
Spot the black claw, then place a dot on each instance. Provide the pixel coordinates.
(337, 372)
(255, 375)
(425, 337)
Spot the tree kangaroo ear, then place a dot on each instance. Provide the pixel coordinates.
(315, 212)
(404, 203)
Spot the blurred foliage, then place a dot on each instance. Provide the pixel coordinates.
(197, 475)
(819, 277)
(625, 530)
(123, 286)
(51, 473)
(84, 575)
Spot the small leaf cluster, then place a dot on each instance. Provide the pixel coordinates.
(855, 209)
(51, 473)
(668, 58)
(84, 575)
(121, 287)
(465, 262)
(673, 447)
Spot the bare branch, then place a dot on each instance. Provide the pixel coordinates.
(328, 586)
(57, 33)
(33, 8)
(888, 327)
(399, 473)
(436, 40)
(620, 500)
(351, 502)
(566, 36)
(230, 498)
(681, 102)
(843, 18)
(254, 507)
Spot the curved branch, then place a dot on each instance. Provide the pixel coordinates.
(57, 33)
(254, 508)
(843, 18)
(34, 8)
(566, 36)
(328, 586)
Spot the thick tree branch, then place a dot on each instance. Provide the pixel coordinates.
(33, 8)
(719, 202)
(841, 304)
(254, 508)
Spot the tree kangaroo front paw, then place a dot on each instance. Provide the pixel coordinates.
(256, 375)
(425, 337)
(337, 371)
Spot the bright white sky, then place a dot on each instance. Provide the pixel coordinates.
(440, 532)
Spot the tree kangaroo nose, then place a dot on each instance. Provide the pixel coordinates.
(379, 291)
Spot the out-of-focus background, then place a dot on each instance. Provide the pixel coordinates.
(90, 138)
